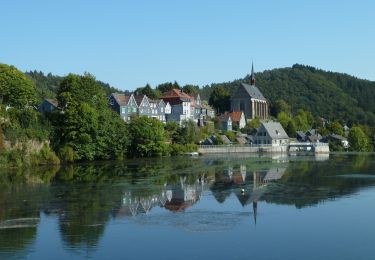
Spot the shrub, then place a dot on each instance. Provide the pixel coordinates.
(66, 154)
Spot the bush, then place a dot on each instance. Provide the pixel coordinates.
(66, 154)
(177, 149)
(45, 157)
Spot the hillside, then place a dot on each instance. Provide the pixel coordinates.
(326, 94)
(47, 84)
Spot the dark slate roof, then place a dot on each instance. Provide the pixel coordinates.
(138, 99)
(121, 99)
(275, 130)
(53, 102)
(253, 91)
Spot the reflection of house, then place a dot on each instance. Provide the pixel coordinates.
(184, 195)
(271, 133)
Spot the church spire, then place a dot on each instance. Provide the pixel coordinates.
(252, 77)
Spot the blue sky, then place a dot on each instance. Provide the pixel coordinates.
(131, 43)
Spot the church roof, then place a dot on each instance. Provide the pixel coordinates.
(253, 91)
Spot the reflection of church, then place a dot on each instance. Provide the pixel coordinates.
(247, 187)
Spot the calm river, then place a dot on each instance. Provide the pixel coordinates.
(180, 208)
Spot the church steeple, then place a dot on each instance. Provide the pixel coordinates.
(252, 77)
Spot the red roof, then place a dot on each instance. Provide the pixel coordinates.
(176, 96)
(236, 116)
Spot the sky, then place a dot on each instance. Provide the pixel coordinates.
(130, 43)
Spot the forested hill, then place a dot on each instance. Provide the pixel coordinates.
(47, 84)
(326, 94)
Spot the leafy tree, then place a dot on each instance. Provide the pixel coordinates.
(165, 87)
(191, 89)
(16, 89)
(335, 128)
(284, 119)
(147, 137)
(281, 106)
(149, 92)
(291, 128)
(86, 124)
(220, 99)
(358, 140)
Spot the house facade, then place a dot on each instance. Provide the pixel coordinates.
(225, 122)
(48, 105)
(124, 105)
(159, 109)
(238, 119)
(271, 133)
(250, 100)
(180, 105)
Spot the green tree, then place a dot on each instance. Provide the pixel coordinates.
(147, 137)
(149, 92)
(335, 128)
(291, 128)
(220, 99)
(191, 89)
(284, 119)
(16, 89)
(358, 140)
(281, 106)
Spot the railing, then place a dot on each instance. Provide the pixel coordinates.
(308, 144)
(234, 145)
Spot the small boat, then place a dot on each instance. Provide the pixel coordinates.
(192, 154)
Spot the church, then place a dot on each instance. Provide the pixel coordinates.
(250, 100)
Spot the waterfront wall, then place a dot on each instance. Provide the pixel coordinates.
(212, 149)
(209, 149)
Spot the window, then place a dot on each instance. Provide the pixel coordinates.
(134, 109)
(123, 110)
(162, 110)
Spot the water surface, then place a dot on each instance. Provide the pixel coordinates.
(271, 207)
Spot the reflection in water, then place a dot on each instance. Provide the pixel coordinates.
(85, 198)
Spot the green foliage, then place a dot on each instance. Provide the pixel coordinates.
(147, 137)
(191, 89)
(335, 128)
(279, 106)
(165, 87)
(16, 90)
(186, 134)
(284, 119)
(44, 157)
(251, 126)
(66, 154)
(231, 136)
(358, 140)
(220, 99)
(1, 139)
(178, 149)
(87, 125)
(149, 92)
(291, 128)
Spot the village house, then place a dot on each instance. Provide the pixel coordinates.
(124, 105)
(180, 102)
(48, 105)
(250, 100)
(225, 122)
(238, 119)
(271, 133)
(159, 109)
(338, 139)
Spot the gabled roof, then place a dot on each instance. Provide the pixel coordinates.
(235, 116)
(121, 99)
(224, 117)
(53, 102)
(275, 130)
(253, 91)
(176, 96)
(139, 99)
